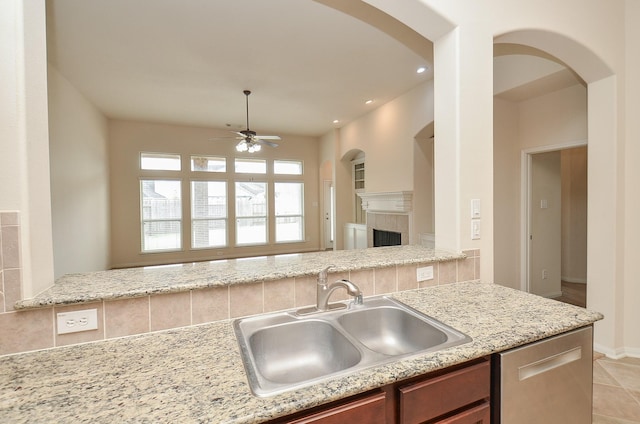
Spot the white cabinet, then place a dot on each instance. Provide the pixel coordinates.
(355, 236)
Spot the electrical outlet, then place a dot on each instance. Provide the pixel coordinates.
(545, 274)
(425, 273)
(75, 321)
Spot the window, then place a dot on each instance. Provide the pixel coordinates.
(161, 215)
(288, 202)
(160, 162)
(265, 211)
(251, 166)
(287, 167)
(251, 212)
(208, 214)
(208, 164)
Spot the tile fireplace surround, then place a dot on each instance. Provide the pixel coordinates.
(392, 211)
(398, 223)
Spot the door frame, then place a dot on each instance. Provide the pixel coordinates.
(328, 215)
(525, 202)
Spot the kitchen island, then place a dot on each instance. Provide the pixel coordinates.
(195, 374)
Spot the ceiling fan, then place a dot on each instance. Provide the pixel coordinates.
(250, 141)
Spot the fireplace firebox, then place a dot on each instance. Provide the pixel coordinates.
(386, 238)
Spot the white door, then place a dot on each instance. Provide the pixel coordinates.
(545, 225)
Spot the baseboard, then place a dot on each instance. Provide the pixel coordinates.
(574, 280)
(622, 352)
(552, 295)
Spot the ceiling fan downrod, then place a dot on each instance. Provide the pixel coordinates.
(246, 94)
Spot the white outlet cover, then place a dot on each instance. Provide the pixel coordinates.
(425, 273)
(76, 321)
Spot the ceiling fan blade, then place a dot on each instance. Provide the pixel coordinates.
(265, 142)
(250, 137)
(268, 137)
(230, 138)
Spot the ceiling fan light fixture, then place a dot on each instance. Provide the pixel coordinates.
(249, 140)
(242, 146)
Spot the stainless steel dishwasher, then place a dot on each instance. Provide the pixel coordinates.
(550, 381)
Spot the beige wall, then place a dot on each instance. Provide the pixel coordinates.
(394, 159)
(574, 214)
(127, 139)
(555, 118)
(423, 189)
(10, 145)
(598, 46)
(24, 149)
(386, 135)
(506, 183)
(329, 149)
(550, 120)
(631, 195)
(79, 180)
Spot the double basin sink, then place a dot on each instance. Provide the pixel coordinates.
(284, 351)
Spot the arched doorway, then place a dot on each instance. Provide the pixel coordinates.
(540, 241)
(602, 228)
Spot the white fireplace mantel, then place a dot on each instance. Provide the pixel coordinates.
(393, 202)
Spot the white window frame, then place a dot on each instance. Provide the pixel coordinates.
(300, 215)
(239, 217)
(195, 219)
(144, 220)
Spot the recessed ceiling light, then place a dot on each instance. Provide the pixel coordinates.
(421, 69)
(335, 121)
(368, 102)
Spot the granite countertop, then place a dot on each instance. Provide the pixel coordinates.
(195, 374)
(134, 282)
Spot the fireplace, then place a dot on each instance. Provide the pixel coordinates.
(386, 238)
(390, 213)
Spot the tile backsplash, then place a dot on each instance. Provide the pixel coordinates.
(35, 329)
(10, 264)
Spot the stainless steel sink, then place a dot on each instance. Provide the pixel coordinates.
(302, 350)
(284, 350)
(392, 331)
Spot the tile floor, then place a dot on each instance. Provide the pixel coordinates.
(616, 390)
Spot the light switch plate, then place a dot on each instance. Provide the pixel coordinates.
(475, 208)
(76, 321)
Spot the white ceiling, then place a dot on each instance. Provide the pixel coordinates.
(188, 61)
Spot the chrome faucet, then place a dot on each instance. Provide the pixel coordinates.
(325, 289)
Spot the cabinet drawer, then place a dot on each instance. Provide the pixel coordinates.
(366, 410)
(478, 415)
(436, 396)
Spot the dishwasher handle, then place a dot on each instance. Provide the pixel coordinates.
(549, 363)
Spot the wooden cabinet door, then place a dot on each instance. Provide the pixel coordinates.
(366, 410)
(433, 397)
(479, 415)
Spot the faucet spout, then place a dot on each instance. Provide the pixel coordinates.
(325, 290)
